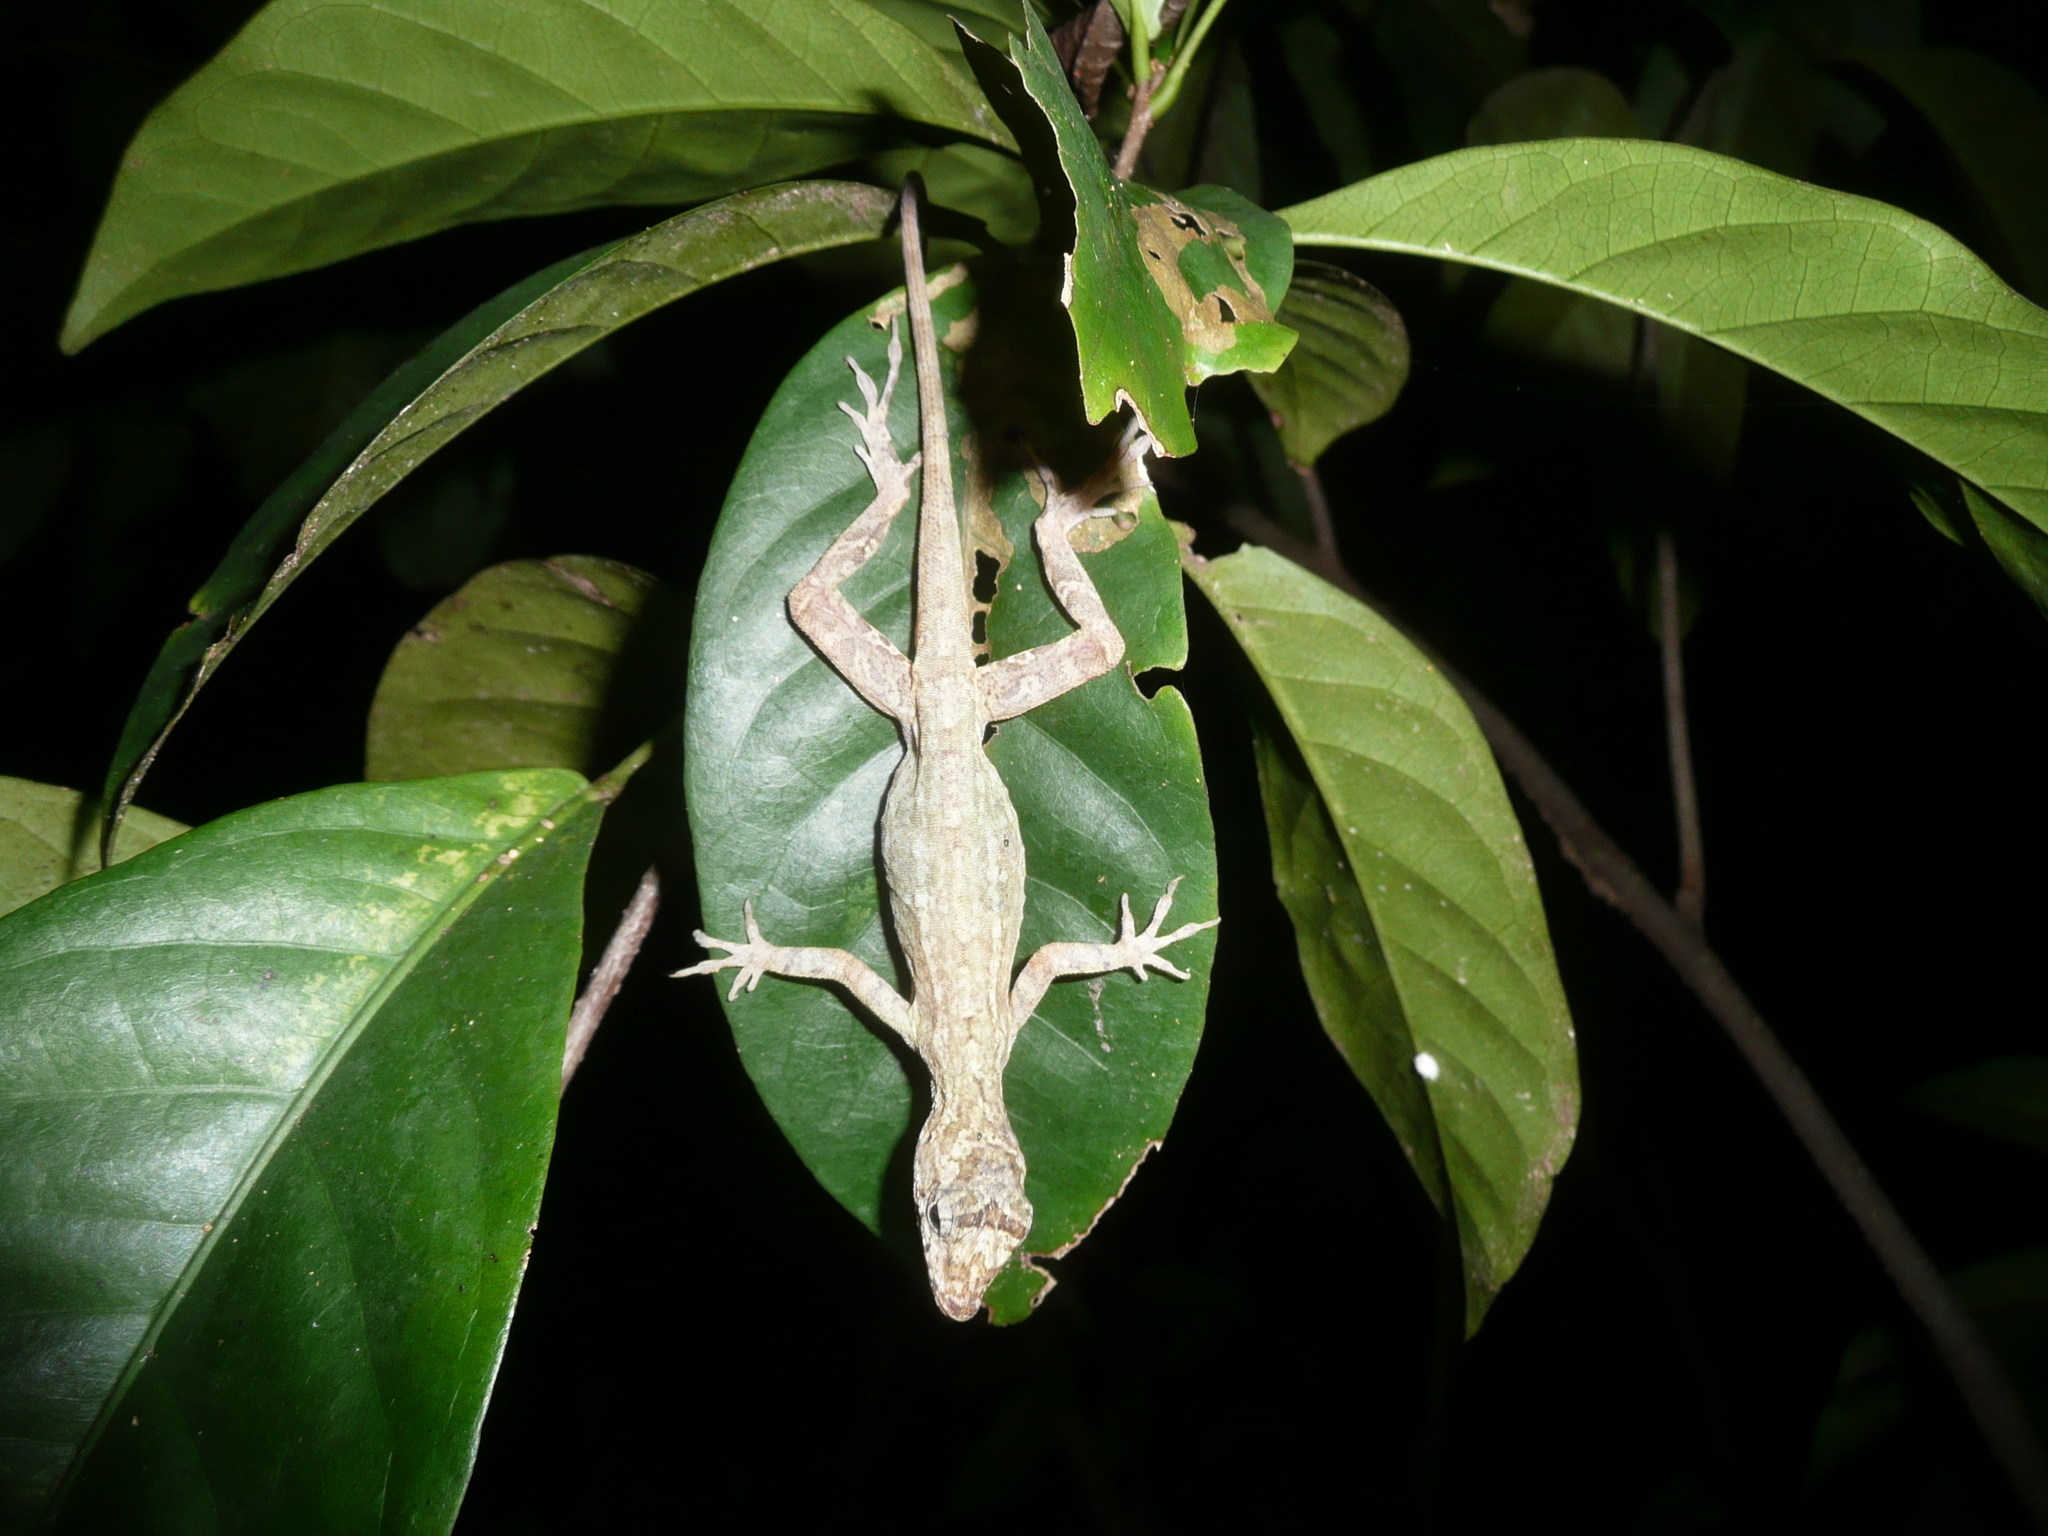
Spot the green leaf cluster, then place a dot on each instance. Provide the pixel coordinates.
(283, 1086)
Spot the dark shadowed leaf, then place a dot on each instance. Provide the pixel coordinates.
(2006, 1097)
(1415, 905)
(1315, 58)
(510, 672)
(470, 370)
(1565, 328)
(50, 836)
(1447, 57)
(1554, 104)
(332, 127)
(1966, 516)
(1996, 125)
(1866, 305)
(1346, 370)
(281, 1096)
(1870, 1425)
(787, 767)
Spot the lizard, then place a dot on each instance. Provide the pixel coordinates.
(952, 853)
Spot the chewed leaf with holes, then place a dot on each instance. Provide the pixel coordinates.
(1414, 903)
(1163, 292)
(787, 768)
(1223, 264)
(281, 1094)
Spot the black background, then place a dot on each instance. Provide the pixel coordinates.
(707, 1341)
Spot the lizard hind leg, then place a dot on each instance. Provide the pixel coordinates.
(755, 957)
(1135, 950)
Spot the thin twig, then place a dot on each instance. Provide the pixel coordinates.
(1613, 876)
(1141, 122)
(1691, 900)
(611, 970)
(1327, 557)
(1185, 47)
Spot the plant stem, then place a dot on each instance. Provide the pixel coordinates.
(610, 974)
(1613, 876)
(1197, 29)
(1141, 119)
(1691, 900)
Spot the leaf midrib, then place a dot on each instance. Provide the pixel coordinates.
(330, 1059)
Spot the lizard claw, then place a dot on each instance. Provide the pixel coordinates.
(752, 957)
(1141, 949)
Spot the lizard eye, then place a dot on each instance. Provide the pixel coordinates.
(932, 1215)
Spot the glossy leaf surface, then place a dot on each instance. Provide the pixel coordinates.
(1866, 305)
(327, 128)
(786, 771)
(1346, 370)
(473, 368)
(1415, 905)
(50, 836)
(511, 671)
(281, 1098)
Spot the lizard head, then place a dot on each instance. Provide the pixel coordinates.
(972, 1211)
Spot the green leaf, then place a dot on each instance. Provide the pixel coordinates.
(46, 838)
(787, 767)
(1564, 103)
(1342, 960)
(2017, 545)
(281, 1096)
(1162, 292)
(328, 128)
(2006, 1097)
(1564, 328)
(1139, 14)
(1866, 305)
(509, 672)
(1996, 125)
(471, 369)
(1872, 1408)
(1964, 515)
(1446, 56)
(1348, 367)
(1415, 905)
(1315, 57)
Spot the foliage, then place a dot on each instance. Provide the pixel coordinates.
(283, 1085)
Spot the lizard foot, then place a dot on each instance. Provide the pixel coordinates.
(754, 958)
(1141, 949)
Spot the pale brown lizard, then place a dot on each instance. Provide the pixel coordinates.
(952, 854)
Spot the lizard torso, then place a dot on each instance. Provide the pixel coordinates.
(952, 852)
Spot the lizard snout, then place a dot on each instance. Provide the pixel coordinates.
(971, 1223)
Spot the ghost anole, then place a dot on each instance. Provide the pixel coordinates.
(952, 855)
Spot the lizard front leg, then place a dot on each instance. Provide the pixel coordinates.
(858, 651)
(1022, 682)
(757, 957)
(1133, 951)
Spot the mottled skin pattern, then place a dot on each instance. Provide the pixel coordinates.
(951, 850)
